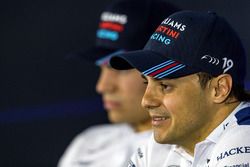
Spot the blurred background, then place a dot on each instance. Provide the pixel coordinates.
(45, 100)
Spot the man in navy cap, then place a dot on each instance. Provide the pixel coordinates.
(124, 25)
(194, 65)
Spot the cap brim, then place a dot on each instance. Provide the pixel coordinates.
(152, 64)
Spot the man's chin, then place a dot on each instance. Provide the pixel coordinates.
(115, 118)
(159, 138)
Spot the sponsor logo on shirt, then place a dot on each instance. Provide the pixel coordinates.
(225, 125)
(131, 164)
(234, 151)
(139, 152)
(239, 165)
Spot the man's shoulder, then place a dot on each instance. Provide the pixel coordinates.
(233, 146)
(105, 130)
(239, 130)
(235, 136)
(97, 142)
(99, 136)
(243, 116)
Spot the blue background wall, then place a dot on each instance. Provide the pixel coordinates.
(46, 100)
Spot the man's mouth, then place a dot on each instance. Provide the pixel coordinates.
(110, 105)
(159, 120)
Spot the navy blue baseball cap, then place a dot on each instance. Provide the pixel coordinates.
(126, 25)
(185, 43)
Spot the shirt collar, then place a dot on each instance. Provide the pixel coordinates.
(182, 153)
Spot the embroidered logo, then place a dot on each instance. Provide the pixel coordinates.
(227, 65)
(131, 164)
(139, 152)
(211, 59)
(234, 151)
(238, 165)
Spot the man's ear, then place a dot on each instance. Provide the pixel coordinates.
(221, 87)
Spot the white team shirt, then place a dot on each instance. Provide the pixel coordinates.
(227, 146)
(160, 155)
(108, 145)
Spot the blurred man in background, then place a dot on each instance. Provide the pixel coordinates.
(124, 25)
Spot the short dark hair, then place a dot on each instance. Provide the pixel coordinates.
(237, 91)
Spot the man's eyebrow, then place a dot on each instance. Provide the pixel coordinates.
(144, 77)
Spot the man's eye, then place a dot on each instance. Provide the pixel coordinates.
(165, 87)
(145, 82)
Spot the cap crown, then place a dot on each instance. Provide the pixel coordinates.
(201, 40)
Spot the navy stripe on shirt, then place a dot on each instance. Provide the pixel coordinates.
(243, 116)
